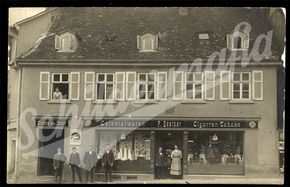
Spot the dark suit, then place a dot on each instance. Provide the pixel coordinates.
(160, 166)
(74, 162)
(90, 161)
(107, 161)
(58, 164)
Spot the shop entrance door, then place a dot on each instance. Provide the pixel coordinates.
(167, 140)
(49, 141)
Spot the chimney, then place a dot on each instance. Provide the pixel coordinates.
(183, 11)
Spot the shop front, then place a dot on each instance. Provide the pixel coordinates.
(208, 146)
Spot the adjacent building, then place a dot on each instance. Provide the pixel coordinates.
(204, 79)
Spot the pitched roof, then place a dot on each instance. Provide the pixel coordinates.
(177, 38)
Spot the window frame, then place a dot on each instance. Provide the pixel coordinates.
(240, 82)
(146, 82)
(228, 81)
(60, 82)
(93, 86)
(245, 39)
(158, 86)
(206, 84)
(105, 82)
(194, 82)
(141, 42)
(257, 81)
(123, 85)
(181, 82)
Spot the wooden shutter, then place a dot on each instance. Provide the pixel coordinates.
(225, 85)
(209, 85)
(131, 86)
(138, 42)
(120, 86)
(178, 85)
(44, 86)
(89, 90)
(229, 41)
(74, 86)
(162, 85)
(155, 42)
(57, 42)
(257, 85)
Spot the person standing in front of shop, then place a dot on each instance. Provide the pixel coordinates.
(90, 160)
(74, 163)
(160, 164)
(175, 169)
(107, 162)
(58, 164)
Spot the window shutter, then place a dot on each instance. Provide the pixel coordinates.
(229, 41)
(138, 42)
(257, 85)
(89, 85)
(178, 85)
(209, 85)
(162, 85)
(246, 40)
(44, 87)
(120, 86)
(155, 42)
(57, 42)
(74, 86)
(131, 86)
(225, 86)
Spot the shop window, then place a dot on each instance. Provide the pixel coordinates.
(241, 85)
(194, 85)
(131, 150)
(146, 86)
(147, 42)
(105, 86)
(60, 86)
(212, 152)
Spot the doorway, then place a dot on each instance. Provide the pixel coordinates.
(167, 140)
(49, 141)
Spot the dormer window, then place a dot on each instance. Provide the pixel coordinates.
(147, 42)
(66, 42)
(203, 36)
(238, 41)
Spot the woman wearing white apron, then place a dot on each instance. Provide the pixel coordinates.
(176, 156)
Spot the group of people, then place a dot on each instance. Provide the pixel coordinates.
(89, 163)
(175, 166)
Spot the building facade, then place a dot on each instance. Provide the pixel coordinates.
(141, 78)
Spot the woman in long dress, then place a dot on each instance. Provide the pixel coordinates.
(176, 156)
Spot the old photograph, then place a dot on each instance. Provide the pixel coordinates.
(148, 95)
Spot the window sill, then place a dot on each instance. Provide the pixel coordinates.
(241, 102)
(145, 102)
(193, 102)
(242, 49)
(146, 51)
(59, 101)
(104, 102)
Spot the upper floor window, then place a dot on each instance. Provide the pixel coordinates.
(146, 86)
(241, 85)
(59, 86)
(147, 42)
(194, 85)
(105, 86)
(66, 42)
(238, 41)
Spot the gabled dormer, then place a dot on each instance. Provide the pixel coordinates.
(238, 41)
(147, 42)
(66, 42)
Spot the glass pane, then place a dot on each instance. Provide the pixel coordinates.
(178, 76)
(148, 43)
(56, 77)
(189, 87)
(44, 90)
(189, 76)
(177, 88)
(120, 77)
(245, 76)
(110, 77)
(257, 76)
(90, 77)
(189, 94)
(101, 77)
(142, 77)
(119, 90)
(142, 87)
(74, 90)
(150, 87)
(131, 77)
(236, 77)
(225, 90)
(64, 77)
(246, 86)
(209, 76)
(209, 92)
(109, 95)
(109, 87)
(100, 91)
(162, 77)
(236, 87)
(130, 90)
(246, 95)
(198, 76)
(151, 77)
(89, 90)
(236, 94)
(142, 95)
(162, 90)
(151, 95)
(44, 77)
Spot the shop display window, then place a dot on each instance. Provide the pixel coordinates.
(131, 150)
(215, 152)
